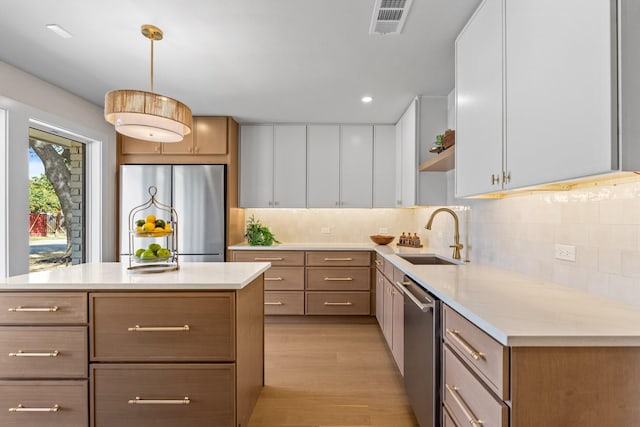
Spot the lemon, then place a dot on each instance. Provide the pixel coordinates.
(158, 230)
(139, 228)
(149, 226)
(167, 227)
(151, 218)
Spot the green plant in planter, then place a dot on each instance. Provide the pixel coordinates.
(258, 235)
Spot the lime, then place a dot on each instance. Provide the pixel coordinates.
(139, 252)
(147, 254)
(160, 223)
(154, 247)
(140, 222)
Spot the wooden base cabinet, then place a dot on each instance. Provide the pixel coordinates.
(390, 308)
(57, 403)
(163, 395)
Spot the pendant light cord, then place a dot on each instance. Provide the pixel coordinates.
(151, 64)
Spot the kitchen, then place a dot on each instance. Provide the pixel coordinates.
(516, 233)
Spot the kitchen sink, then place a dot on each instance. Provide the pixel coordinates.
(428, 259)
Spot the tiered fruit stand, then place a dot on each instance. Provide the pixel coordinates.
(145, 259)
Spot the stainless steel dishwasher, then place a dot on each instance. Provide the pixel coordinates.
(422, 350)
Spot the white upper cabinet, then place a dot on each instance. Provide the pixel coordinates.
(356, 166)
(384, 166)
(406, 160)
(479, 109)
(560, 106)
(273, 166)
(323, 166)
(256, 166)
(548, 104)
(290, 166)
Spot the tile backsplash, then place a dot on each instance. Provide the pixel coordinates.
(517, 233)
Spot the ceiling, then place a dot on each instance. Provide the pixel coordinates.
(256, 60)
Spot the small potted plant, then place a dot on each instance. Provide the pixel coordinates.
(257, 234)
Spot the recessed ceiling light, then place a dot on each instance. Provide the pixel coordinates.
(59, 31)
(366, 99)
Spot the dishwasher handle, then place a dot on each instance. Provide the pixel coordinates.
(407, 291)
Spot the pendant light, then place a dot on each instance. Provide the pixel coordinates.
(148, 115)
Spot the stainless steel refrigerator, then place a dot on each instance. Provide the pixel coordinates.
(196, 192)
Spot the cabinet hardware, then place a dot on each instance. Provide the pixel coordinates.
(338, 259)
(457, 338)
(270, 203)
(495, 179)
(338, 279)
(139, 328)
(140, 401)
(463, 406)
(22, 408)
(273, 303)
(422, 306)
(273, 279)
(338, 303)
(268, 259)
(21, 309)
(506, 177)
(21, 353)
(378, 262)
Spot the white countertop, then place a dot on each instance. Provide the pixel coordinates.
(518, 310)
(515, 309)
(306, 247)
(115, 276)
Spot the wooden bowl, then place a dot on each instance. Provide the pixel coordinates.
(380, 239)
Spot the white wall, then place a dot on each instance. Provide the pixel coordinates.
(26, 97)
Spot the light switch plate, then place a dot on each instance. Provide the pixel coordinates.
(383, 230)
(566, 252)
(325, 230)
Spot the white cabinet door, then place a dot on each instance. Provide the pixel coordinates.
(323, 166)
(384, 166)
(407, 162)
(479, 110)
(560, 122)
(356, 166)
(290, 166)
(256, 166)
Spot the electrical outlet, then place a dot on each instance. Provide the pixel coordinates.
(383, 230)
(566, 252)
(325, 230)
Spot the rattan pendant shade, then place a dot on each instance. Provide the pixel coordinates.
(148, 115)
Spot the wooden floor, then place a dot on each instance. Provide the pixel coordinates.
(320, 375)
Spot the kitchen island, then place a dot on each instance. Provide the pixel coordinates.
(94, 344)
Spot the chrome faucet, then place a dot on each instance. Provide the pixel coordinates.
(456, 234)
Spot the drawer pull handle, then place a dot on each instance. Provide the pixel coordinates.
(274, 303)
(273, 279)
(21, 309)
(139, 328)
(22, 408)
(378, 262)
(268, 259)
(338, 279)
(472, 352)
(338, 259)
(21, 353)
(463, 406)
(139, 401)
(338, 303)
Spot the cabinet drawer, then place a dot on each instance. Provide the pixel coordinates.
(339, 258)
(163, 326)
(487, 357)
(276, 258)
(43, 352)
(447, 421)
(43, 308)
(338, 279)
(338, 303)
(33, 403)
(163, 395)
(467, 399)
(284, 279)
(283, 302)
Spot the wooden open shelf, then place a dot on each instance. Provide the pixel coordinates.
(440, 163)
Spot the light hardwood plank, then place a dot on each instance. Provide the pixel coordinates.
(327, 374)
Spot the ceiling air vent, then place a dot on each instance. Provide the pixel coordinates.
(389, 16)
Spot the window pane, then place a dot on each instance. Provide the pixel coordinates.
(56, 201)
